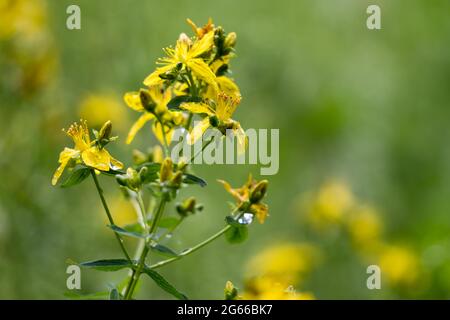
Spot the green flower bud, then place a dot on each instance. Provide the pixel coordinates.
(259, 191)
(146, 100)
(230, 40)
(105, 131)
(231, 292)
(165, 173)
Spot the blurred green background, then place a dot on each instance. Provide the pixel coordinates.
(366, 108)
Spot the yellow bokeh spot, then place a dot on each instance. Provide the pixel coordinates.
(98, 108)
(400, 266)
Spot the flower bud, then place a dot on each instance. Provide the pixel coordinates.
(177, 179)
(230, 40)
(146, 100)
(165, 173)
(105, 131)
(259, 191)
(188, 206)
(231, 293)
(134, 180)
(139, 157)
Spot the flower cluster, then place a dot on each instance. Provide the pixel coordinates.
(193, 80)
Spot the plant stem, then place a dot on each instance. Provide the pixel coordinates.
(136, 273)
(203, 148)
(198, 246)
(166, 145)
(108, 213)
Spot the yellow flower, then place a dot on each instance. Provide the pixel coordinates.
(186, 54)
(330, 206)
(95, 108)
(84, 151)
(218, 117)
(159, 100)
(286, 263)
(266, 288)
(201, 32)
(253, 192)
(400, 265)
(365, 228)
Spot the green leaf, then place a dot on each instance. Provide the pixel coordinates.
(77, 176)
(163, 250)
(107, 264)
(89, 296)
(191, 179)
(125, 232)
(168, 222)
(237, 233)
(175, 103)
(163, 284)
(152, 171)
(114, 294)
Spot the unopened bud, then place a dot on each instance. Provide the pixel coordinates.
(230, 40)
(259, 191)
(165, 173)
(139, 157)
(177, 179)
(146, 100)
(105, 131)
(231, 293)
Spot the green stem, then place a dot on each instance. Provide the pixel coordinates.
(136, 273)
(198, 246)
(165, 145)
(203, 148)
(108, 213)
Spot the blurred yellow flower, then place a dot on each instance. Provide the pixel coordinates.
(330, 205)
(97, 108)
(399, 265)
(85, 151)
(266, 288)
(22, 18)
(185, 54)
(219, 118)
(286, 263)
(365, 228)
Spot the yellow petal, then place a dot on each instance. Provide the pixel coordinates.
(159, 96)
(241, 138)
(157, 131)
(64, 158)
(202, 71)
(153, 79)
(96, 158)
(195, 107)
(138, 125)
(133, 100)
(115, 164)
(198, 130)
(261, 211)
(201, 46)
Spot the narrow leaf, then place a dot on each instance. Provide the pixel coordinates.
(107, 264)
(163, 250)
(163, 284)
(191, 179)
(77, 176)
(125, 232)
(89, 296)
